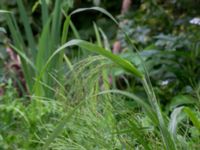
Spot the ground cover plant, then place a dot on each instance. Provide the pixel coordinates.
(67, 88)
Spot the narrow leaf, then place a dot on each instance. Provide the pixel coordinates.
(96, 9)
(28, 30)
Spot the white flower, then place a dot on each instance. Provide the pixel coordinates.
(164, 83)
(195, 21)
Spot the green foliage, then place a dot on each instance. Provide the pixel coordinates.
(36, 55)
(71, 102)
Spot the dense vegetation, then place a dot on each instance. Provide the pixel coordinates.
(75, 77)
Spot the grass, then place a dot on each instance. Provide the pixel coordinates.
(67, 108)
(84, 118)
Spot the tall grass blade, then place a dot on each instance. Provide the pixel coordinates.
(28, 30)
(54, 42)
(22, 55)
(18, 41)
(64, 40)
(45, 14)
(43, 47)
(105, 39)
(99, 43)
(42, 56)
(56, 24)
(65, 30)
(167, 139)
(74, 30)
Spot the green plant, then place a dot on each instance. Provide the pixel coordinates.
(34, 56)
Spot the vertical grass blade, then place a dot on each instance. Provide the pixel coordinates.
(99, 43)
(28, 30)
(43, 47)
(18, 41)
(65, 30)
(167, 139)
(56, 24)
(45, 14)
(74, 30)
(105, 39)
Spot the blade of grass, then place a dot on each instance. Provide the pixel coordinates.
(43, 47)
(28, 30)
(98, 38)
(56, 24)
(111, 17)
(167, 139)
(105, 39)
(64, 40)
(74, 30)
(96, 9)
(23, 56)
(65, 30)
(105, 77)
(35, 6)
(174, 121)
(68, 62)
(18, 41)
(45, 14)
